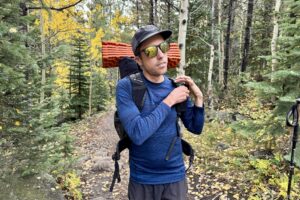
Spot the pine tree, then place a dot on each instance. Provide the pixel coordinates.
(280, 87)
(78, 78)
(31, 139)
(289, 73)
(100, 92)
(18, 73)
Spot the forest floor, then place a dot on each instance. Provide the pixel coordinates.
(95, 143)
(222, 170)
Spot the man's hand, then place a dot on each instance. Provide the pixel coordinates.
(178, 95)
(194, 89)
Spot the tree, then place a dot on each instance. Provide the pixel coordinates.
(26, 125)
(228, 42)
(17, 81)
(152, 12)
(247, 36)
(280, 86)
(220, 44)
(137, 5)
(78, 79)
(183, 19)
(275, 35)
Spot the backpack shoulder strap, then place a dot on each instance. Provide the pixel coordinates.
(186, 146)
(138, 89)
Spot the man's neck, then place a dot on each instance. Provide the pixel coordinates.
(154, 79)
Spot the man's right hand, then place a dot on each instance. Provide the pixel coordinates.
(178, 95)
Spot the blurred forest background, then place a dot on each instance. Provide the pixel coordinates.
(245, 56)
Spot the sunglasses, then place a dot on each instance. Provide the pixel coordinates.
(152, 51)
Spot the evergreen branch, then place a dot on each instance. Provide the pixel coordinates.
(172, 5)
(53, 8)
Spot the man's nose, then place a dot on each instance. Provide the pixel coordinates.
(160, 54)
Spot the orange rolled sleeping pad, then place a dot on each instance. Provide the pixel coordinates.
(112, 52)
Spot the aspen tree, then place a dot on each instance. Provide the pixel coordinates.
(275, 35)
(183, 17)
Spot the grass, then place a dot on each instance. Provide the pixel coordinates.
(231, 165)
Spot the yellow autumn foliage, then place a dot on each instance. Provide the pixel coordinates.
(96, 45)
(116, 22)
(17, 123)
(62, 72)
(60, 25)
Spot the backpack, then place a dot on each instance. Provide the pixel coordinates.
(128, 67)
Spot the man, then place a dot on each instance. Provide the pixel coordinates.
(153, 176)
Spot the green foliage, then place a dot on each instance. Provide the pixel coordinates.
(279, 88)
(101, 93)
(78, 78)
(18, 73)
(70, 183)
(296, 155)
(198, 52)
(261, 34)
(263, 87)
(231, 162)
(33, 136)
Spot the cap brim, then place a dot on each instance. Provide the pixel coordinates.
(165, 34)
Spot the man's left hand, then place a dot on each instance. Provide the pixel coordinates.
(194, 89)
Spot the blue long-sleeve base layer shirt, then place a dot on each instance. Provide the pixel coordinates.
(152, 130)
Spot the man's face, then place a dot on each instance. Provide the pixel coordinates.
(156, 66)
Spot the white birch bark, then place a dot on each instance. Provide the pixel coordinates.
(91, 90)
(275, 35)
(209, 78)
(158, 13)
(211, 59)
(183, 18)
(91, 83)
(220, 44)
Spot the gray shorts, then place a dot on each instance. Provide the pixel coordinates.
(169, 191)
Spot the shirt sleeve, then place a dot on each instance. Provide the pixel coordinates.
(193, 118)
(139, 128)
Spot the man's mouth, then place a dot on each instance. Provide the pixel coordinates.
(161, 65)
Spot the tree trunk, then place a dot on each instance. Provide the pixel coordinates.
(227, 44)
(43, 81)
(275, 35)
(268, 8)
(211, 61)
(247, 36)
(137, 13)
(209, 79)
(91, 90)
(169, 15)
(183, 17)
(158, 13)
(151, 12)
(212, 16)
(220, 45)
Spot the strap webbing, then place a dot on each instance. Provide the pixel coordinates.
(138, 94)
(188, 151)
(122, 144)
(138, 89)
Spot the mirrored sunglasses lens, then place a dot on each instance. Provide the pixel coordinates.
(151, 52)
(164, 47)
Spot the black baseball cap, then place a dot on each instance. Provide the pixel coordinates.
(146, 32)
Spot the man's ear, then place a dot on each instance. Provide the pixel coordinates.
(138, 60)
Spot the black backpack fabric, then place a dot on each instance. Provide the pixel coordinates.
(138, 94)
(128, 66)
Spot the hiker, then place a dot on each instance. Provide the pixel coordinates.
(157, 169)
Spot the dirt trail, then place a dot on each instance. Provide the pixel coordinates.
(95, 143)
